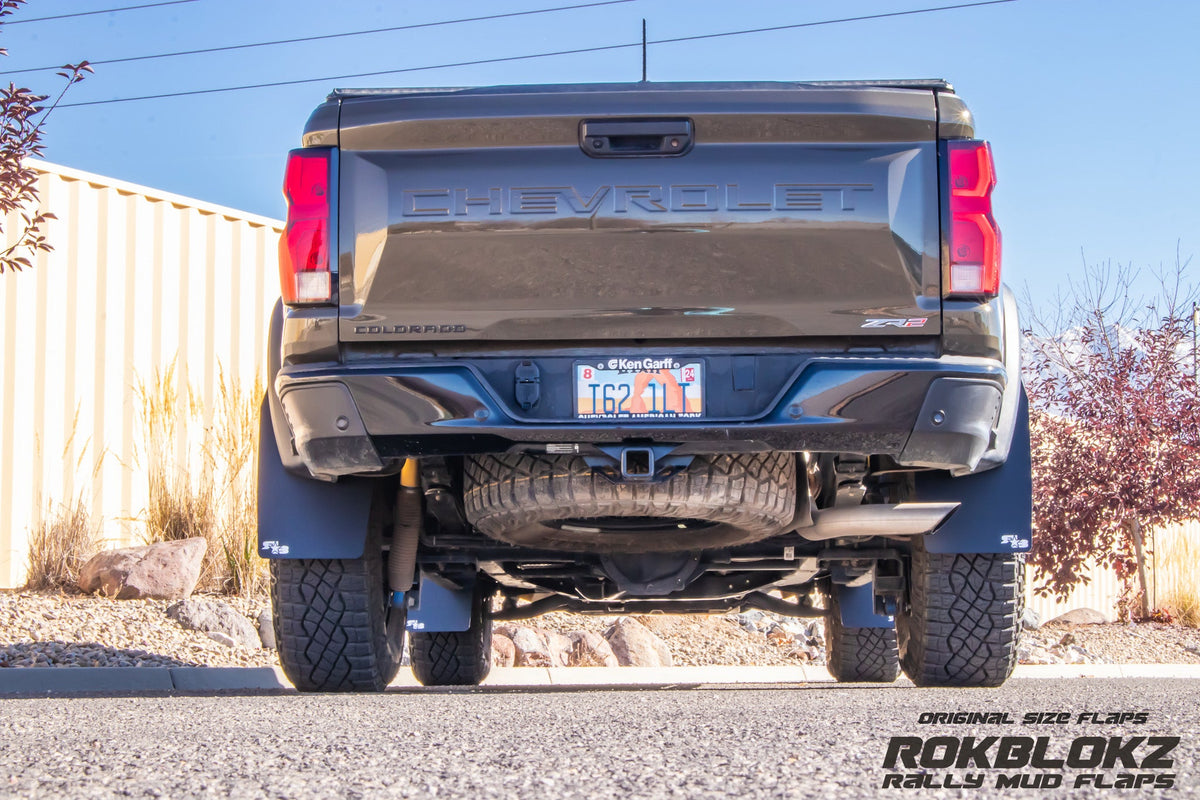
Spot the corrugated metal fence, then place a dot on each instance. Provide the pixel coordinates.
(1101, 593)
(138, 278)
(1172, 572)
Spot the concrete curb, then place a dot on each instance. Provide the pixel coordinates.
(89, 680)
(50, 681)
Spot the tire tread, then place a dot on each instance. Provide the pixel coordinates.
(330, 624)
(963, 624)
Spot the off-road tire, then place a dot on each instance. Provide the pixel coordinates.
(962, 623)
(719, 500)
(456, 658)
(859, 655)
(334, 626)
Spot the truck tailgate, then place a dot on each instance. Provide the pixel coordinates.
(789, 211)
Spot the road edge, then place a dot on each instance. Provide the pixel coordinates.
(50, 681)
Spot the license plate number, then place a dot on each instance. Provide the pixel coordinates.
(639, 389)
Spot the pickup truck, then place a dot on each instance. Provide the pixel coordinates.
(639, 348)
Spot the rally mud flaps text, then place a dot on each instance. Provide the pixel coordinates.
(1031, 762)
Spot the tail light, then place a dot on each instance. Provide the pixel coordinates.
(304, 267)
(974, 238)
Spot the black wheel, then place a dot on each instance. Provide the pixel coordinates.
(963, 618)
(559, 502)
(859, 655)
(456, 658)
(334, 624)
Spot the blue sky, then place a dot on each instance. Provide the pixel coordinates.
(1092, 106)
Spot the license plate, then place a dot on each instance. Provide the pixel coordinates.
(639, 389)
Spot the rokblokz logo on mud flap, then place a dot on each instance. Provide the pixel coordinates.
(1019, 761)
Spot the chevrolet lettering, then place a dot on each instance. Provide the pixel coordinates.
(572, 201)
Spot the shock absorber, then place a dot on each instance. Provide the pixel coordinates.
(406, 529)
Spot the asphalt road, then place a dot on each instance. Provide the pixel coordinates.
(826, 741)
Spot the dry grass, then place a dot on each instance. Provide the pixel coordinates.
(1177, 564)
(180, 501)
(233, 448)
(201, 478)
(65, 536)
(59, 546)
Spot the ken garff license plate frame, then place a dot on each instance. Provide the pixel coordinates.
(639, 388)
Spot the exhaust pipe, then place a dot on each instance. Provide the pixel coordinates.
(406, 530)
(862, 522)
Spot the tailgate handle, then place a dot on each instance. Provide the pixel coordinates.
(623, 138)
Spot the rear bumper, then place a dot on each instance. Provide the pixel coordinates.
(943, 413)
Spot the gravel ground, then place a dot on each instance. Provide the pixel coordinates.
(816, 742)
(76, 630)
(49, 630)
(702, 640)
(1143, 643)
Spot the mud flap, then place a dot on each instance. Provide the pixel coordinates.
(996, 511)
(301, 518)
(437, 608)
(858, 607)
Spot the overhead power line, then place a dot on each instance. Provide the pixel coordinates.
(100, 11)
(250, 45)
(530, 56)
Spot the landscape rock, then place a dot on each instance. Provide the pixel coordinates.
(221, 638)
(266, 629)
(636, 646)
(559, 646)
(590, 650)
(536, 647)
(164, 571)
(1030, 620)
(749, 620)
(530, 649)
(214, 617)
(795, 628)
(504, 652)
(1080, 616)
(778, 636)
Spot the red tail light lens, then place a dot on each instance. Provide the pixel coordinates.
(304, 271)
(974, 237)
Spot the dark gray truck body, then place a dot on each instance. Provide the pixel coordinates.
(789, 238)
(801, 226)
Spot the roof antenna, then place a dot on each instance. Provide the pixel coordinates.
(643, 49)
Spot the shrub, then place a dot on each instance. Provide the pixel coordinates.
(66, 536)
(59, 546)
(181, 495)
(201, 478)
(1177, 575)
(1115, 422)
(232, 445)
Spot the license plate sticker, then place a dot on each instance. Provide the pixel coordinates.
(639, 389)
